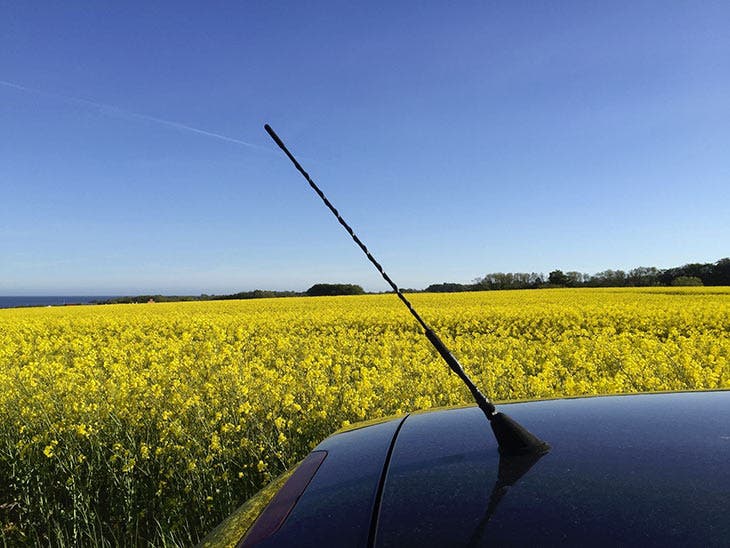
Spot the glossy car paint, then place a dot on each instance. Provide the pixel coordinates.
(651, 469)
(280, 506)
(337, 507)
(647, 469)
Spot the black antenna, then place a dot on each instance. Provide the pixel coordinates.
(512, 438)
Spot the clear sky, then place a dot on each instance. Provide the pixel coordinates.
(457, 138)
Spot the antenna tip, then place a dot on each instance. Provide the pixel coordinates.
(273, 135)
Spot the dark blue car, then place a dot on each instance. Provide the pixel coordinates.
(650, 470)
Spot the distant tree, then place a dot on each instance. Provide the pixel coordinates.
(509, 280)
(609, 278)
(704, 271)
(720, 273)
(255, 294)
(558, 277)
(320, 290)
(447, 287)
(667, 275)
(575, 279)
(643, 276)
(686, 281)
(717, 273)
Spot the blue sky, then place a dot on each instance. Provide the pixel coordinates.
(457, 138)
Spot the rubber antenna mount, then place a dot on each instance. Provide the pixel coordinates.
(515, 440)
(512, 438)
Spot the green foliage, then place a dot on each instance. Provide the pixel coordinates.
(323, 290)
(686, 281)
(509, 280)
(447, 287)
(557, 277)
(256, 294)
(709, 274)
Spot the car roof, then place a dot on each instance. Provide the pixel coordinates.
(651, 469)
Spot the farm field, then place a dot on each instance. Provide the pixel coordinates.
(148, 424)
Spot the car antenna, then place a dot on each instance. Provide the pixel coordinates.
(512, 438)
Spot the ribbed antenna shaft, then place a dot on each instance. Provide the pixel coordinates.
(484, 404)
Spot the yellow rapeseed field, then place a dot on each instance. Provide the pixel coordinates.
(136, 424)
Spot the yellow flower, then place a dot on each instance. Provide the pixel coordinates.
(184, 392)
(49, 449)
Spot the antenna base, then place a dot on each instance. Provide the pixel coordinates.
(514, 439)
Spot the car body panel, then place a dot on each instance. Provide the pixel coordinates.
(337, 507)
(650, 469)
(643, 469)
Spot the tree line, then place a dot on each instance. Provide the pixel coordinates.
(713, 274)
(717, 273)
(316, 290)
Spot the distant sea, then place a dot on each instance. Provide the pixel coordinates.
(12, 302)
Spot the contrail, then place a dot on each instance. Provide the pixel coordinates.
(116, 111)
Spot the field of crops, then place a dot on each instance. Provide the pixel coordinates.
(135, 424)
